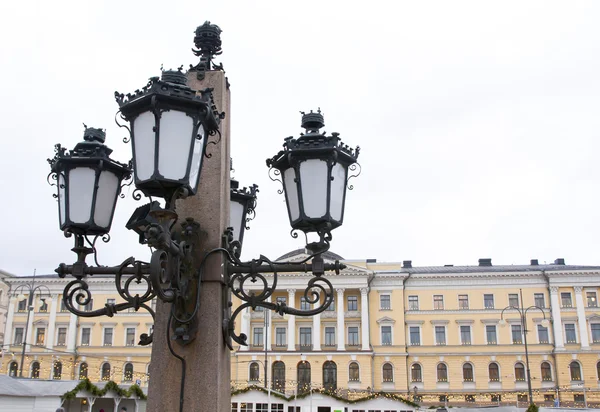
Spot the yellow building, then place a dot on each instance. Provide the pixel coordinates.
(433, 333)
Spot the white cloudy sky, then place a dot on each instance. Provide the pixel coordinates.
(478, 121)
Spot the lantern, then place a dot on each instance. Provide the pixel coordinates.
(88, 183)
(242, 204)
(314, 170)
(169, 128)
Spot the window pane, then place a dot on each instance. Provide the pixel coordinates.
(468, 372)
(592, 300)
(388, 373)
(570, 333)
(438, 302)
(130, 338)
(413, 303)
(595, 332)
(415, 335)
(257, 339)
(490, 331)
(353, 335)
(513, 299)
(463, 301)
(488, 301)
(519, 372)
(384, 301)
(386, 335)
(280, 337)
(329, 336)
(305, 337)
(352, 303)
(465, 335)
(416, 373)
(565, 298)
(542, 334)
(494, 372)
(516, 334)
(440, 335)
(546, 371)
(575, 371)
(539, 300)
(442, 372)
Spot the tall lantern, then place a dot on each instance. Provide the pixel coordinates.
(314, 171)
(241, 209)
(89, 182)
(170, 125)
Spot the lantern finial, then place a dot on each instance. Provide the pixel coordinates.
(208, 45)
(174, 77)
(92, 134)
(312, 122)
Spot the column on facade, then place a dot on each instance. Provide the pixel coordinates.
(9, 322)
(583, 333)
(556, 319)
(364, 318)
(291, 344)
(28, 338)
(246, 327)
(52, 321)
(341, 336)
(317, 329)
(72, 333)
(267, 325)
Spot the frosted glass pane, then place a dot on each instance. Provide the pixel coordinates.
(197, 159)
(235, 218)
(338, 187)
(175, 143)
(144, 140)
(61, 198)
(313, 176)
(108, 184)
(81, 191)
(291, 191)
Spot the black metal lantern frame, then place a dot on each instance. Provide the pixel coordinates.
(244, 200)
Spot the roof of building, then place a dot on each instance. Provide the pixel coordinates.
(10, 386)
(496, 268)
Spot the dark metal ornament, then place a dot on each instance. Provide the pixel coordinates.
(208, 44)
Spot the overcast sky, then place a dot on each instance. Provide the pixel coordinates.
(479, 121)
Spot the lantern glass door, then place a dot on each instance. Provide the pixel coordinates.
(291, 191)
(81, 193)
(199, 141)
(143, 144)
(236, 214)
(313, 177)
(61, 199)
(337, 191)
(175, 144)
(108, 187)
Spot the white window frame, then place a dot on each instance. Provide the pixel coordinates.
(393, 372)
(35, 335)
(493, 301)
(312, 335)
(433, 302)
(468, 323)
(81, 335)
(591, 322)
(458, 301)
(414, 325)
(577, 338)
(59, 326)
(125, 327)
(104, 327)
(537, 333)
(15, 327)
(391, 325)
(335, 334)
(585, 301)
(280, 326)
(389, 295)
(353, 325)
(262, 328)
(409, 302)
(359, 371)
(445, 326)
(495, 325)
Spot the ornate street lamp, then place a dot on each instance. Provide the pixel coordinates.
(241, 209)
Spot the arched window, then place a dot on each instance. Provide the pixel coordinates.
(575, 371)
(278, 376)
(254, 372)
(494, 372)
(128, 372)
(353, 372)
(415, 373)
(388, 372)
(83, 371)
(519, 372)
(467, 372)
(13, 369)
(442, 372)
(35, 370)
(546, 371)
(57, 370)
(330, 376)
(105, 376)
(303, 376)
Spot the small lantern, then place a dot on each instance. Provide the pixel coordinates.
(314, 170)
(169, 128)
(88, 184)
(241, 209)
(141, 219)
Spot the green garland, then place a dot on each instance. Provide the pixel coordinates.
(86, 385)
(328, 393)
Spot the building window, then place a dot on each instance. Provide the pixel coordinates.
(353, 335)
(282, 300)
(384, 302)
(110, 301)
(513, 300)
(578, 398)
(108, 336)
(331, 307)
(304, 305)
(539, 300)
(465, 334)
(490, 334)
(415, 373)
(254, 372)
(467, 372)
(352, 303)
(63, 307)
(549, 398)
(388, 372)
(130, 337)
(277, 407)
(85, 337)
(546, 371)
(522, 398)
(128, 372)
(303, 376)
(463, 301)
(488, 301)
(18, 336)
(262, 407)
(246, 407)
(40, 336)
(595, 332)
(35, 370)
(13, 369)
(516, 334)
(442, 398)
(386, 335)
(519, 372)
(570, 334)
(592, 299)
(280, 337)
(278, 376)
(438, 302)
(330, 376)
(57, 371)
(440, 335)
(257, 337)
(105, 374)
(43, 306)
(305, 337)
(61, 338)
(22, 306)
(259, 309)
(415, 335)
(494, 372)
(542, 334)
(442, 372)
(89, 306)
(413, 303)
(329, 336)
(575, 369)
(565, 299)
(469, 398)
(83, 371)
(353, 372)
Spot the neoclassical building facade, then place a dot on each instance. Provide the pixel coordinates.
(435, 334)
